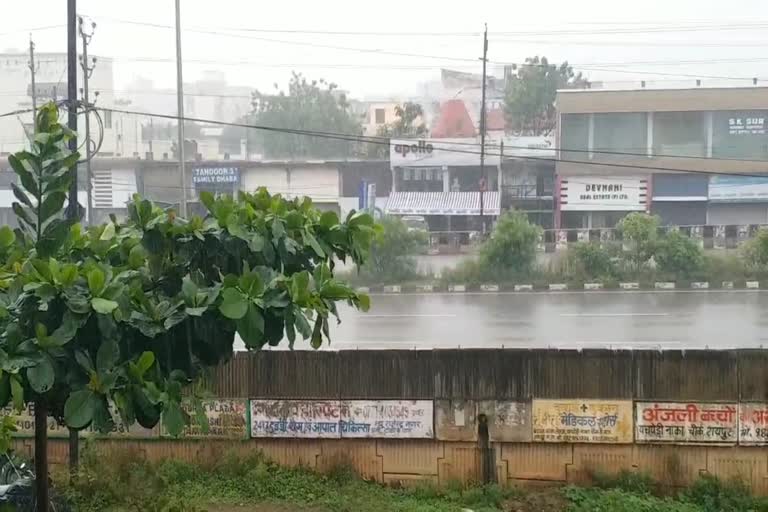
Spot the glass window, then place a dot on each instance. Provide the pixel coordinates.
(622, 133)
(679, 134)
(574, 134)
(740, 134)
(380, 116)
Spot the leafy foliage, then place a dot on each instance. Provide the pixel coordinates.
(393, 250)
(409, 123)
(640, 232)
(511, 248)
(122, 316)
(592, 260)
(677, 254)
(756, 250)
(530, 94)
(312, 105)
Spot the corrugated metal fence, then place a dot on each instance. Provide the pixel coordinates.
(500, 374)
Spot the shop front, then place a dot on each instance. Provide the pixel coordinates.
(592, 202)
(737, 200)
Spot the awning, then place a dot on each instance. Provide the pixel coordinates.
(442, 203)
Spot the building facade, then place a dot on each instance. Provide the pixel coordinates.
(692, 156)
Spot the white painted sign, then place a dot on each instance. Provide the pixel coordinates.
(686, 422)
(334, 419)
(600, 193)
(401, 419)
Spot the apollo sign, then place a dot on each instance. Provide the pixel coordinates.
(420, 147)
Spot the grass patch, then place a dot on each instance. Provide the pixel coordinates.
(126, 483)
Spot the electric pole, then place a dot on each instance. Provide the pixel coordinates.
(483, 182)
(33, 69)
(180, 108)
(87, 73)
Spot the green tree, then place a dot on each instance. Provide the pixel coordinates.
(756, 251)
(315, 106)
(530, 94)
(109, 324)
(640, 233)
(511, 249)
(393, 250)
(592, 259)
(678, 255)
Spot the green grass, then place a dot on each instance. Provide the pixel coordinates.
(125, 483)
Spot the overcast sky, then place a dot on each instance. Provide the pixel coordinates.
(598, 36)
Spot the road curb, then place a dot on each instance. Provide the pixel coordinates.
(596, 286)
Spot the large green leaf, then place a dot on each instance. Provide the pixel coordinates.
(251, 284)
(7, 236)
(103, 306)
(173, 419)
(79, 408)
(53, 237)
(26, 177)
(251, 327)
(52, 205)
(41, 376)
(108, 233)
(234, 305)
(17, 393)
(21, 196)
(96, 281)
(107, 355)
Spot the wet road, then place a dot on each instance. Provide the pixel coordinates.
(640, 320)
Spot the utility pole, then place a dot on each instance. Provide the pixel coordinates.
(180, 108)
(483, 181)
(73, 213)
(33, 69)
(87, 73)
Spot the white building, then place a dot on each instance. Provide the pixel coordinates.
(120, 136)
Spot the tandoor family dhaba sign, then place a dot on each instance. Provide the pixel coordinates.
(342, 419)
(582, 421)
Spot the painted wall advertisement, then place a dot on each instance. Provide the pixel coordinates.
(226, 419)
(333, 419)
(582, 421)
(600, 193)
(686, 422)
(753, 424)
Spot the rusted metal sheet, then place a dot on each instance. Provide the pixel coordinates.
(462, 463)
(456, 420)
(753, 379)
(465, 374)
(296, 375)
(689, 375)
(588, 374)
(386, 374)
(537, 461)
(408, 456)
(507, 421)
(676, 466)
(745, 464)
(512, 375)
(753, 423)
(590, 460)
(582, 421)
(686, 422)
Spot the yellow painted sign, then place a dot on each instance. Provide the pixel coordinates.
(582, 421)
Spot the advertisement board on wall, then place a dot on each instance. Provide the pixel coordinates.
(753, 423)
(738, 188)
(215, 177)
(686, 422)
(601, 193)
(227, 418)
(582, 421)
(333, 419)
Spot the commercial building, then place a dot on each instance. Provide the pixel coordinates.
(692, 156)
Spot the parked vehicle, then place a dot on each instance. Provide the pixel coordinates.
(17, 487)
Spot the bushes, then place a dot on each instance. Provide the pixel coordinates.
(393, 250)
(678, 255)
(593, 260)
(511, 249)
(640, 232)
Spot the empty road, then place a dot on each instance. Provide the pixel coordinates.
(640, 320)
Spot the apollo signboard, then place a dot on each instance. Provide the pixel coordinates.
(434, 152)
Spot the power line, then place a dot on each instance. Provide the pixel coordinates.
(385, 141)
(33, 29)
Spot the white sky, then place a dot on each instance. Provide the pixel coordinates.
(722, 52)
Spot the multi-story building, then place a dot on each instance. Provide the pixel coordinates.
(692, 156)
(120, 136)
